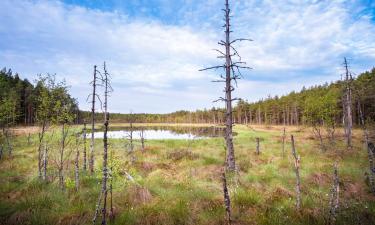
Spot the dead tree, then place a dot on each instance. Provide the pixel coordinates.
(130, 139)
(348, 120)
(61, 160)
(283, 141)
(40, 146)
(111, 213)
(76, 163)
(370, 151)
(232, 73)
(104, 189)
(297, 160)
(84, 148)
(226, 199)
(45, 161)
(142, 136)
(258, 147)
(94, 96)
(9, 143)
(29, 139)
(334, 197)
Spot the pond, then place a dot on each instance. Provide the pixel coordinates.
(162, 132)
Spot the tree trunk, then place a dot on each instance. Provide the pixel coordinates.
(283, 141)
(29, 139)
(76, 163)
(257, 148)
(84, 148)
(92, 143)
(226, 199)
(41, 137)
(334, 198)
(142, 140)
(45, 161)
(105, 170)
(348, 107)
(61, 159)
(370, 152)
(298, 179)
(231, 164)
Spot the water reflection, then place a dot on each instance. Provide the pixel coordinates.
(163, 132)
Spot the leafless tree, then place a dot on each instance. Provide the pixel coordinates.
(334, 197)
(297, 160)
(29, 139)
(283, 141)
(76, 162)
(97, 78)
(62, 156)
(84, 147)
(370, 153)
(142, 136)
(348, 120)
(45, 161)
(258, 147)
(232, 73)
(226, 199)
(129, 137)
(104, 189)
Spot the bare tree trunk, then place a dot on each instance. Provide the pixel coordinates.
(232, 73)
(348, 106)
(92, 143)
(283, 141)
(318, 133)
(231, 163)
(9, 144)
(105, 170)
(1, 151)
(334, 198)
(64, 135)
(226, 199)
(142, 140)
(84, 148)
(29, 139)
(45, 161)
(370, 152)
(258, 148)
(41, 137)
(111, 212)
(298, 179)
(76, 171)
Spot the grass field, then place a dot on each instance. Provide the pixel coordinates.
(179, 182)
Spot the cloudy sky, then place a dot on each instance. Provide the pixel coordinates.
(154, 48)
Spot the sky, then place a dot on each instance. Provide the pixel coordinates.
(154, 49)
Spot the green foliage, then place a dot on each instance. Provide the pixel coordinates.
(21, 102)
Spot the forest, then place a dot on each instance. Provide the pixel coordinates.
(291, 109)
(307, 157)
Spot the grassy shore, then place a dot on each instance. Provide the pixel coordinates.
(178, 182)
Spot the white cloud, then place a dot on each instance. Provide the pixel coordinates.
(155, 65)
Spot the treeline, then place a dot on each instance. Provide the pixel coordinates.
(22, 103)
(317, 104)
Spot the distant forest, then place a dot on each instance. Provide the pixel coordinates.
(320, 104)
(22, 103)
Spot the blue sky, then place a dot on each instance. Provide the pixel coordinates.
(154, 48)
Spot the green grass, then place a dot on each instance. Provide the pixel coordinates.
(176, 184)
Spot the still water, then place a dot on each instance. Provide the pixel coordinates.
(162, 133)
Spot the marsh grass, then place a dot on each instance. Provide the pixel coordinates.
(178, 182)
